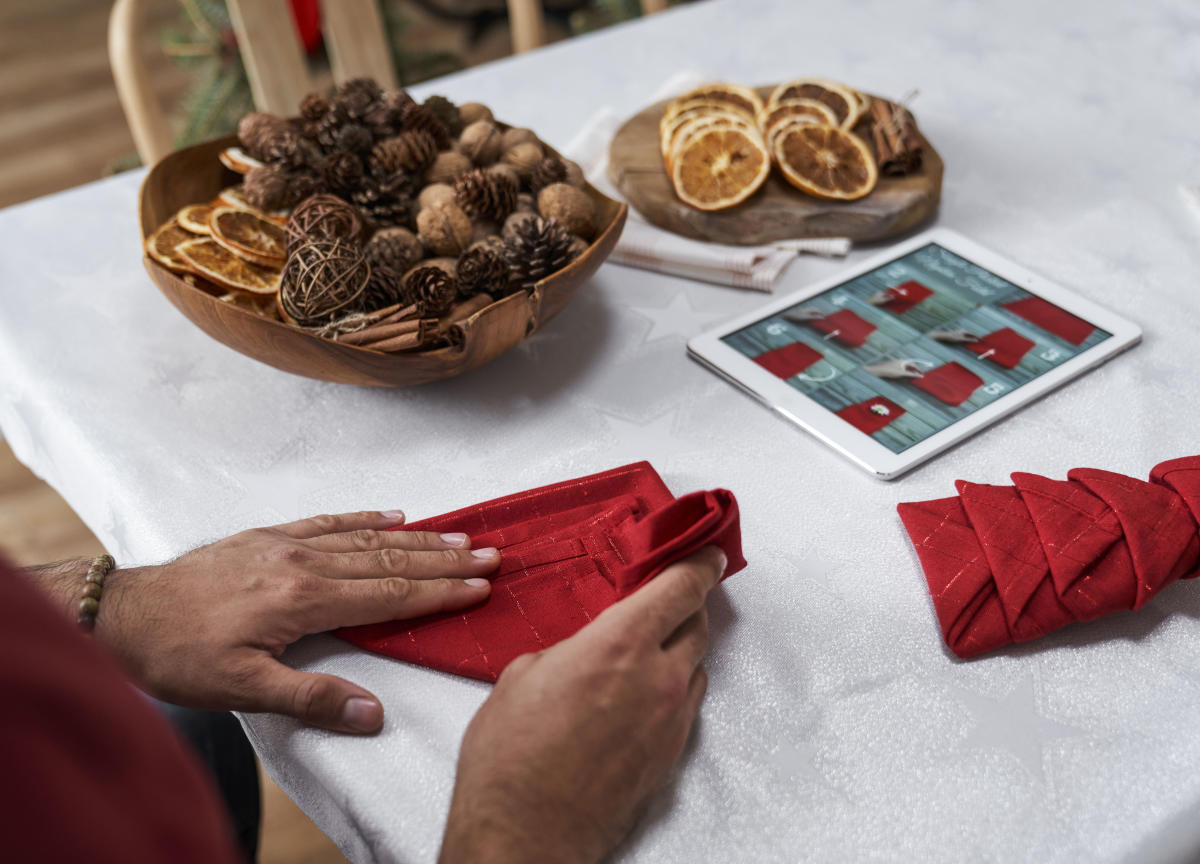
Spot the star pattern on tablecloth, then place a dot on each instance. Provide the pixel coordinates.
(652, 439)
(678, 318)
(91, 290)
(281, 488)
(116, 530)
(1013, 723)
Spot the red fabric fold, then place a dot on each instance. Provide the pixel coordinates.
(1052, 319)
(905, 296)
(951, 383)
(846, 327)
(1004, 347)
(568, 551)
(789, 360)
(872, 414)
(1011, 563)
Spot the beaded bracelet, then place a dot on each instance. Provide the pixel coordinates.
(93, 586)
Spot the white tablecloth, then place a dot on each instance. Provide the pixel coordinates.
(836, 727)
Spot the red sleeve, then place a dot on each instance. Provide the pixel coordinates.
(91, 771)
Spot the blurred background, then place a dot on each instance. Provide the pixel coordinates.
(61, 125)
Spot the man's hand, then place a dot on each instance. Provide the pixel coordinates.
(205, 630)
(572, 742)
(898, 368)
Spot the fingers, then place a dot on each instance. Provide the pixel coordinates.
(350, 602)
(656, 610)
(422, 564)
(368, 540)
(689, 642)
(314, 526)
(318, 700)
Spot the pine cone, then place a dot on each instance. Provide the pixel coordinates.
(314, 106)
(481, 270)
(411, 151)
(447, 112)
(547, 172)
(384, 202)
(303, 184)
(282, 146)
(341, 172)
(537, 248)
(355, 138)
(416, 116)
(431, 288)
(486, 194)
(325, 131)
(384, 117)
(255, 129)
(267, 187)
(358, 96)
(395, 248)
(384, 288)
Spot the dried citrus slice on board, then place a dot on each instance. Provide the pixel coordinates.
(194, 218)
(163, 244)
(238, 160)
(734, 94)
(673, 131)
(864, 103)
(674, 109)
(686, 132)
(717, 168)
(825, 161)
(250, 235)
(217, 264)
(796, 107)
(842, 100)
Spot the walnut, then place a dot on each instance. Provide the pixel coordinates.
(480, 142)
(448, 167)
(523, 158)
(436, 193)
(444, 229)
(472, 112)
(571, 207)
(575, 174)
(517, 135)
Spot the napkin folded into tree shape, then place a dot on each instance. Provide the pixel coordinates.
(1012, 563)
(567, 552)
(789, 360)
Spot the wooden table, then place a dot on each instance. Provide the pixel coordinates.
(836, 727)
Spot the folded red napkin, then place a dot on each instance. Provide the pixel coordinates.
(1004, 347)
(951, 383)
(567, 552)
(789, 360)
(871, 415)
(846, 327)
(1011, 563)
(906, 295)
(1050, 318)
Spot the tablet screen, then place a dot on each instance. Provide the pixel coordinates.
(908, 349)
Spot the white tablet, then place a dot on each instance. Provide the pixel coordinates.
(905, 355)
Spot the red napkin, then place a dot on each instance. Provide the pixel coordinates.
(871, 415)
(951, 383)
(846, 327)
(1003, 347)
(904, 296)
(1050, 318)
(789, 360)
(567, 552)
(1011, 563)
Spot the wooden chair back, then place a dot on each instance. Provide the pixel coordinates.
(274, 58)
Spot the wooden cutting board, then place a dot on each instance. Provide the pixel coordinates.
(778, 211)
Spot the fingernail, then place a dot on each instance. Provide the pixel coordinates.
(486, 552)
(395, 515)
(477, 583)
(454, 539)
(361, 715)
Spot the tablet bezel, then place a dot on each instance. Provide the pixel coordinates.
(861, 448)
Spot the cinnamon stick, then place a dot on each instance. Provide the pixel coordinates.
(897, 142)
(379, 332)
(450, 325)
(420, 337)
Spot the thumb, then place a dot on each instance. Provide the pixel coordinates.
(325, 701)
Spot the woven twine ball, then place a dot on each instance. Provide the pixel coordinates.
(436, 194)
(323, 217)
(473, 112)
(448, 167)
(444, 230)
(510, 138)
(571, 207)
(523, 158)
(322, 278)
(480, 142)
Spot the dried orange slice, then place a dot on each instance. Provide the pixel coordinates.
(217, 264)
(238, 160)
(250, 235)
(719, 167)
(233, 196)
(259, 304)
(163, 244)
(825, 161)
(689, 130)
(734, 94)
(842, 100)
(674, 109)
(796, 107)
(670, 124)
(194, 218)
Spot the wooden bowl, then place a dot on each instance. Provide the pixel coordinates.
(194, 175)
